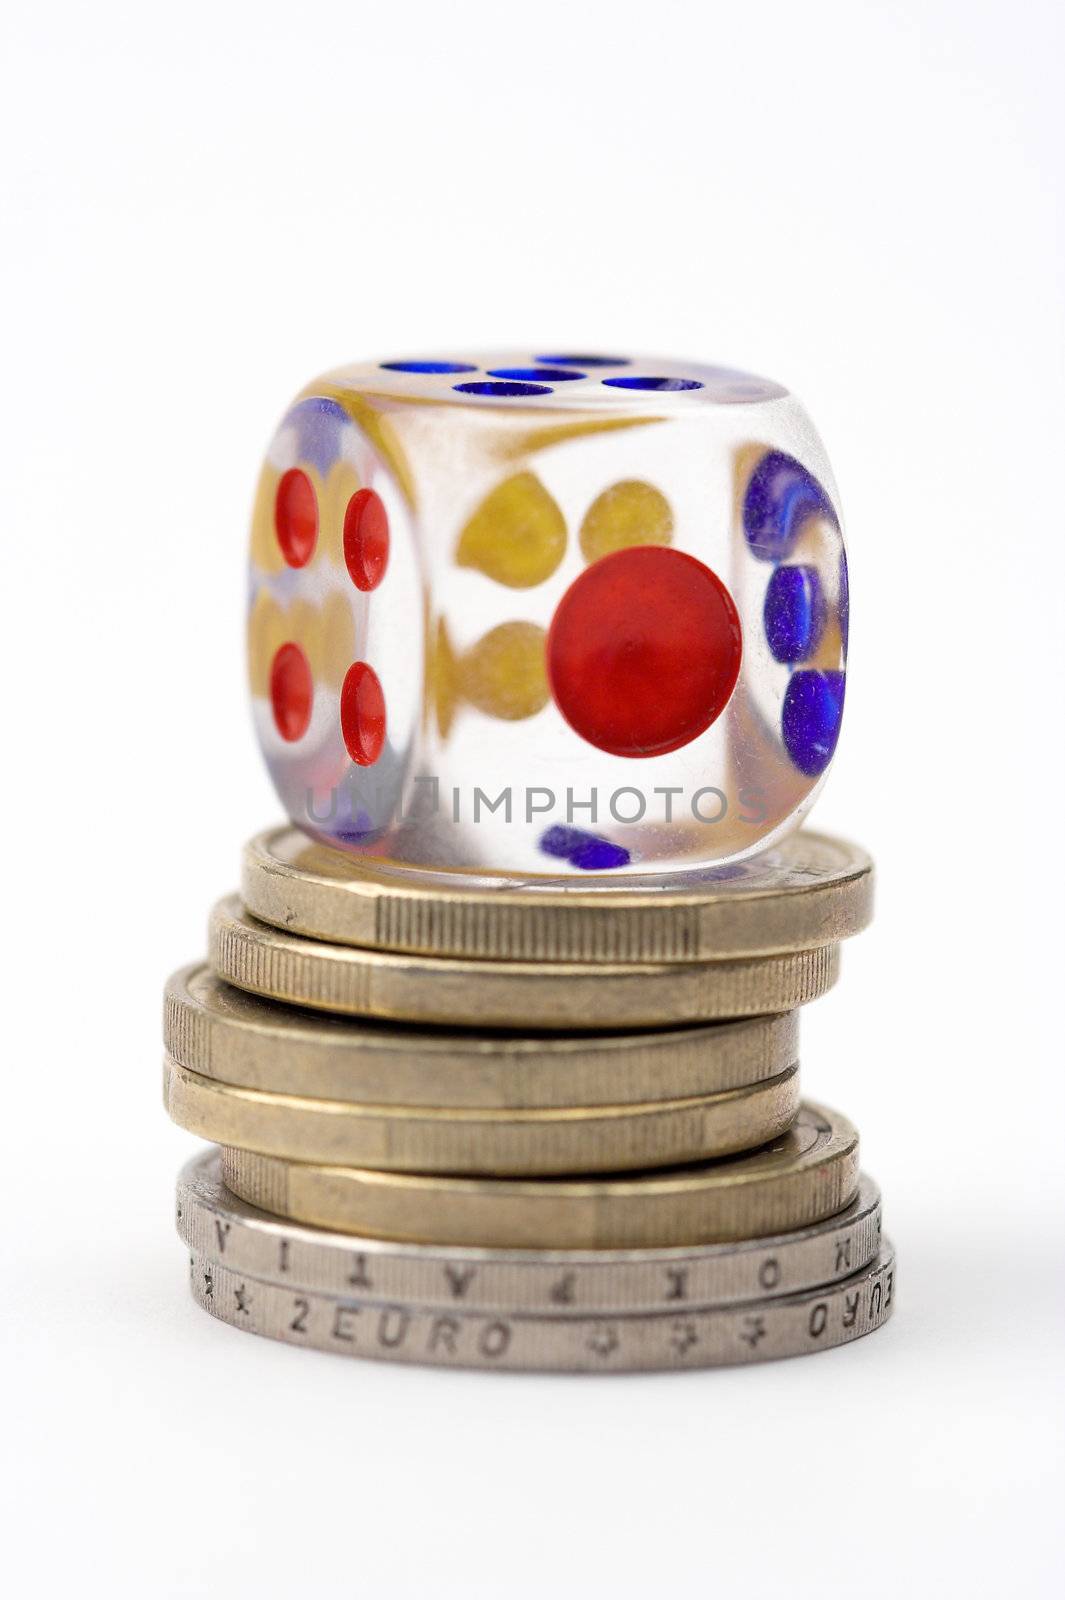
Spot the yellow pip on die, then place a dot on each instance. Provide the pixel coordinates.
(547, 613)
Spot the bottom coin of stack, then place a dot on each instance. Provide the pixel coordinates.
(650, 1197)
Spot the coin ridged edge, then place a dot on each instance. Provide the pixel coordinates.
(483, 1142)
(563, 926)
(343, 1059)
(441, 989)
(723, 1201)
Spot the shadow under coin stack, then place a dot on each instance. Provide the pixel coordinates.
(493, 1086)
(534, 1131)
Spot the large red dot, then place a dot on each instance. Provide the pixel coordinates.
(291, 691)
(362, 714)
(644, 651)
(366, 539)
(296, 517)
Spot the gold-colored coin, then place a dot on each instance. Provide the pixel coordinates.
(507, 994)
(809, 1173)
(221, 1032)
(809, 890)
(483, 1143)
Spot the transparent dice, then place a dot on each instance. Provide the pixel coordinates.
(546, 614)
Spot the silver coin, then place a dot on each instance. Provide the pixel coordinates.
(688, 1337)
(213, 1223)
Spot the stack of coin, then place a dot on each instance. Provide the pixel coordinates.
(523, 1127)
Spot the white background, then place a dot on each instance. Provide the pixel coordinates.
(202, 206)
